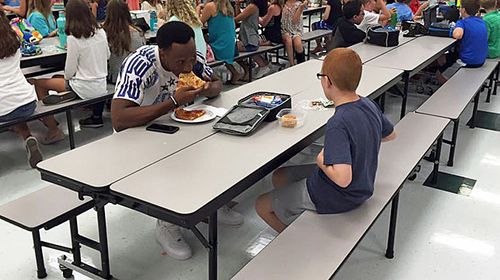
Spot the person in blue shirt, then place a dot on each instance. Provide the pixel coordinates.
(344, 174)
(472, 35)
(402, 9)
(42, 19)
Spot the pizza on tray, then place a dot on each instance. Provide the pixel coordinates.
(190, 79)
(188, 115)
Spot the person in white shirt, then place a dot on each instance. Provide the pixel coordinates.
(17, 96)
(86, 66)
(373, 18)
(147, 89)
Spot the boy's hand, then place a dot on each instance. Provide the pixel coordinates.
(320, 159)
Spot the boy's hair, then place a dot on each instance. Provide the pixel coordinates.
(9, 44)
(471, 6)
(343, 67)
(351, 9)
(80, 22)
(174, 32)
(488, 4)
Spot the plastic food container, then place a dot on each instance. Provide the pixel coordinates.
(291, 118)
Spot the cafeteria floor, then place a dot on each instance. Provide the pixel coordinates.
(440, 235)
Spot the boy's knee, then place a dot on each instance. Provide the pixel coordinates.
(263, 203)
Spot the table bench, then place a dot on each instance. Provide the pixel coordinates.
(450, 100)
(48, 110)
(313, 35)
(316, 246)
(46, 209)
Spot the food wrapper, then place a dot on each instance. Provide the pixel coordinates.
(267, 101)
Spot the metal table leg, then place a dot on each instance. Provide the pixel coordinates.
(71, 129)
(392, 227)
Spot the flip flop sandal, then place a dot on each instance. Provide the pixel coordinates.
(54, 99)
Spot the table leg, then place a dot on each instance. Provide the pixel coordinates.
(71, 129)
(406, 78)
(250, 69)
(37, 244)
(212, 249)
(490, 87)
(437, 155)
(103, 241)
(453, 142)
(474, 110)
(392, 227)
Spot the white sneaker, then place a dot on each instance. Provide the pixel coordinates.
(33, 151)
(262, 72)
(170, 238)
(228, 216)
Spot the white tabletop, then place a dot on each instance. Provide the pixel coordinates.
(413, 54)
(335, 235)
(190, 179)
(110, 159)
(49, 48)
(451, 99)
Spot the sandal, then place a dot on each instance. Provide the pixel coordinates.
(53, 139)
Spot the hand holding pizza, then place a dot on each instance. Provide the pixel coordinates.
(185, 95)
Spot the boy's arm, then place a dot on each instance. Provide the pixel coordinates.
(458, 32)
(340, 174)
(388, 133)
(326, 14)
(389, 137)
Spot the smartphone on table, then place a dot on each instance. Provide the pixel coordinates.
(164, 128)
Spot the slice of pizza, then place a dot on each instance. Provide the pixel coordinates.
(190, 79)
(188, 115)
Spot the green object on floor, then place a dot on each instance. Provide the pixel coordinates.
(487, 120)
(451, 183)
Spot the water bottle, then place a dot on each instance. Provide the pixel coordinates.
(152, 20)
(61, 29)
(394, 20)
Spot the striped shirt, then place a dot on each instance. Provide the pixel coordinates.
(144, 81)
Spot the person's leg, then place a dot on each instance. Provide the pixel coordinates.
(319, 47)
(95, 120)
(287, 41)
(172, 241)
(299, 48)
(42, 87)
(31, 144)
(287, 175)
(264, 208)
(235, 75)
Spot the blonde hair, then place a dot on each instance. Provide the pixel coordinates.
(343, 66)
(225, 7)
(184, 10)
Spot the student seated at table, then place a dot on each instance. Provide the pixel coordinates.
(271, 22)
(219, 15)
(492, 20)
(402, 9)
(156, 69)
(86, 66)
(332, 14)
(183, 10)
(472, 35)
(347, 34)
(42, 19)
(123, 38)
(151, 5)
(19, 8)
(373, 18)
(344, 174)
(291, 30)
(17, 96)
(249, 37)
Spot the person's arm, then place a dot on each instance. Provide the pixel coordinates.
(71, 58)
(273, 10)
(326, 13)
(126, 113)
(420, 12)
(208, 11)
(389, 137)
(340, 174)
(388, 133)
(248, 11)
(21, 11)
(458, 32)
(385, 14)
(213, 88)
(353, 35)
(298, 13)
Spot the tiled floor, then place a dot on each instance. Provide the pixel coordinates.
(440, 235)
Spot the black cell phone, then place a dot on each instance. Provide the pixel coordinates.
(170, 129)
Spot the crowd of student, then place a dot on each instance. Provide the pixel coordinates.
(146, 77)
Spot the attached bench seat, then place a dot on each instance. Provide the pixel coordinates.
(313, 35)
(450, 100)
(45, 208)
(315, 246)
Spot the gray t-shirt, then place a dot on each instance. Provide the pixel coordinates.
(115, 61)
(249, 30)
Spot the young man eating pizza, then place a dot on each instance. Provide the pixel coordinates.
(146, 89)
